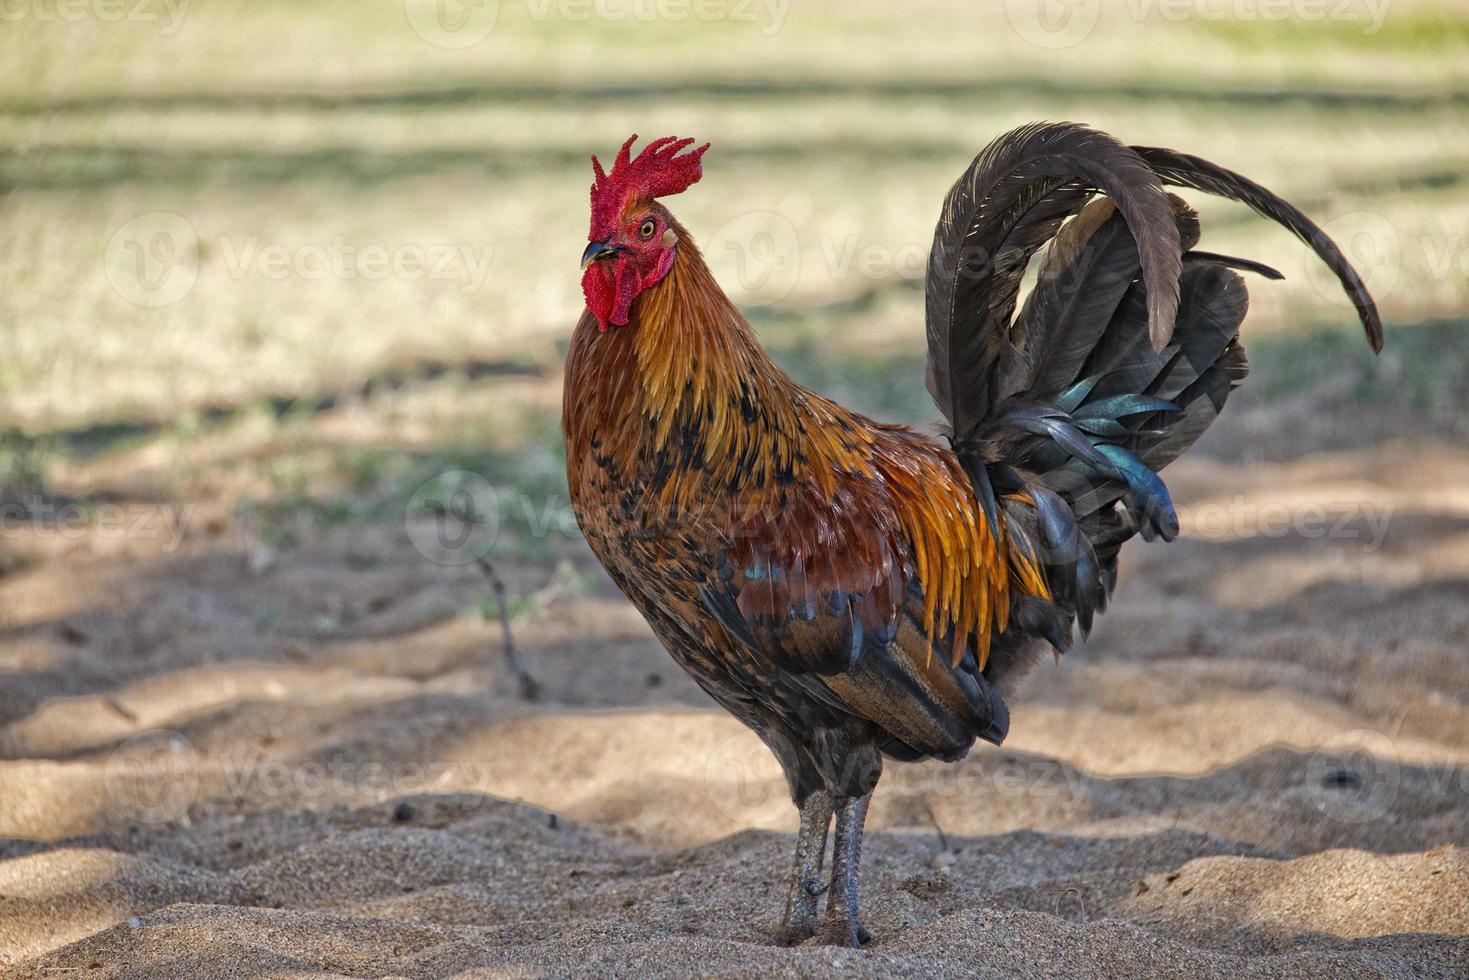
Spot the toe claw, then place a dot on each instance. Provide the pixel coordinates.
(794, 933)
(842, 932)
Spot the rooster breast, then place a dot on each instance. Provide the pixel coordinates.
(814, 571)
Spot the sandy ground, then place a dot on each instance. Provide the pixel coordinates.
(1259, 766)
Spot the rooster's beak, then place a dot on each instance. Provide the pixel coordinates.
(596, 251)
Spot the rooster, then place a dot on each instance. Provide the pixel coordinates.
(854, 591)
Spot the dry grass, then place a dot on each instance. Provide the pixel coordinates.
(297, 129)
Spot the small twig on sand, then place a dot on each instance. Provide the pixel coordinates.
(117, 706)
(530, 688)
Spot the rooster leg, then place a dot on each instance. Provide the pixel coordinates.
(843, 926)
(806, 881)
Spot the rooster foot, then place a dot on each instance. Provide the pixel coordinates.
(849, 933)
(801, 918)
(807, 884)
(843, 925)
(795, 931)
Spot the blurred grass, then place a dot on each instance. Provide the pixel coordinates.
(300, 126)
(1424, 371)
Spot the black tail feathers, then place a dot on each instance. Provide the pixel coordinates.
(1119, 359)
(1093, 411)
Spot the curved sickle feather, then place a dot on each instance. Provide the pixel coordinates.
(1009, 202)
(1187, 170)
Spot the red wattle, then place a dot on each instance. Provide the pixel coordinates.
(626, 288)
(610, 287)
(597, 287)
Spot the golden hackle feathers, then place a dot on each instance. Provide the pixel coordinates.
(730, 444)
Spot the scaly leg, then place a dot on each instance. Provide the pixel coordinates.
(806, 883)
(843, 926)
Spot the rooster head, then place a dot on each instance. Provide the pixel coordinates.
(631, 242)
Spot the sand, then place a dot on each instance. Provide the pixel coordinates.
(309, 766)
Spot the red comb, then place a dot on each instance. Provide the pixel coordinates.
(657, 172)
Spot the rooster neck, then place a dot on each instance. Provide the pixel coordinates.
(686, 385)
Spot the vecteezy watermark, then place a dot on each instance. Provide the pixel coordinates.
(757, 256)
(761, 256)
(850, 256)
(452, 23)
(1055, 24)
(1380, 252)
(74, 521)
(464, 23)
(343, 260)
(169, 13)
(156, 776)
(155, 259)
(1355, 776)
(153, 777)
(1369, 13)
(1371, 244)
(454, 518)
(258, 778)
(744, 782)
(1239, 517)
(768, 15)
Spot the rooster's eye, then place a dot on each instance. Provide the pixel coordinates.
(647, 229)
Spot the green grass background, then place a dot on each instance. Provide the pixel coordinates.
(302, 124)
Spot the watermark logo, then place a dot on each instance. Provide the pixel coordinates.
(1354, 776)
(169, 13)
(452, 23)
(454, 518)
(153, 260)
(1370, 243)
(1366, 524)
(1053, 24)
(153, 778)
(457, 516)
(465, 23)
(1059, 24)
(73, 521)
(768, 15)
(757, 257)
(744, 782)
(1369, 13)
(343, 260)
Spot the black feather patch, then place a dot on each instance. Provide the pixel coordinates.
(1234, 262)
(1009, 202)
(1186, 170)
(1087, 270)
